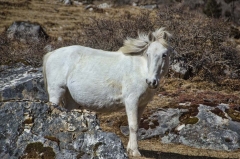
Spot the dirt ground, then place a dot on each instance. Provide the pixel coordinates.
(60, 20)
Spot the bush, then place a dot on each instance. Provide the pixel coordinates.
(203, 44)
(212, 9)
(109, 34)
(14, 51)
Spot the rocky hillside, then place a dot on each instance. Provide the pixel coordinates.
(195, 114)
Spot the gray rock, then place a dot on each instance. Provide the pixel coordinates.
(180, 68)
(26, 31)
(157, 124)
(48, 48)
(153, 6)
(82, 2)
(68, 2)
(209, 131)
(67, 134)
(104, 5)
(21, 82)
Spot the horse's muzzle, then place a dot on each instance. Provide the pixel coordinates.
(153, 84)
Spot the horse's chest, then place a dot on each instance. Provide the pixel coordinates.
(146, 97)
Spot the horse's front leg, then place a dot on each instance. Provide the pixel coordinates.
(132, 114)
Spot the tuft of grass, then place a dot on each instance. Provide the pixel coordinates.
(234, 114)
(190, 120)
(52, 138)
(219, 112)
(28, 121)
(190, 116)
(33, 150)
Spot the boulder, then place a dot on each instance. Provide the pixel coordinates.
(21, 82)
(37, 129)
(67, 2)
(26, 32)
(157, 124)
(198, 126)
(180, 68)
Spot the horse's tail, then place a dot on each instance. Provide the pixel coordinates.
(44, 69)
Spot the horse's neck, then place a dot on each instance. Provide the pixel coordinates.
(136, 64)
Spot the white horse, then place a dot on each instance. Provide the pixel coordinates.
(106, 81)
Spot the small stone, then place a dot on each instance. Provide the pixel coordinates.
(71, 128)
(180, 127)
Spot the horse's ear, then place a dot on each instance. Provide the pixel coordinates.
(165, 36)
(151, 37)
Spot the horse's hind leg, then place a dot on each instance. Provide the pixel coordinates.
(70, 103)
(56, 94)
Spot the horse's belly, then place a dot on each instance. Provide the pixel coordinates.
(97, 98)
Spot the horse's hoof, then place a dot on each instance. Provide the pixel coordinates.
(134, 153)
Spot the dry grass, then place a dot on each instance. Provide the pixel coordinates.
(58, 20)
(72, 24)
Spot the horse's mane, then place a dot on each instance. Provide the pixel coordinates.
(138, 45)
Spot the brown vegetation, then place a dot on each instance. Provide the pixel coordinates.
(37, 151)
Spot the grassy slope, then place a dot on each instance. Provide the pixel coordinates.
(58, 20)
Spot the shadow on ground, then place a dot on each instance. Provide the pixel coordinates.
(166, 155)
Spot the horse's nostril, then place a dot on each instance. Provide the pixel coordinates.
(146, 81)
(154, 82)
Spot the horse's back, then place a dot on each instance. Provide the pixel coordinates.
(63, 55)
(58, 62)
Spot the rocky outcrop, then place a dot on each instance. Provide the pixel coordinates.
(21, 82)
(212, 131)
(27, 128)
(32, 128)
(198, 126)
(26, 31)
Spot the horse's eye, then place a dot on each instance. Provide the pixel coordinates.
(164, 55)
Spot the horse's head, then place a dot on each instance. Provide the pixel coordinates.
(156, 49)
(158, 55)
